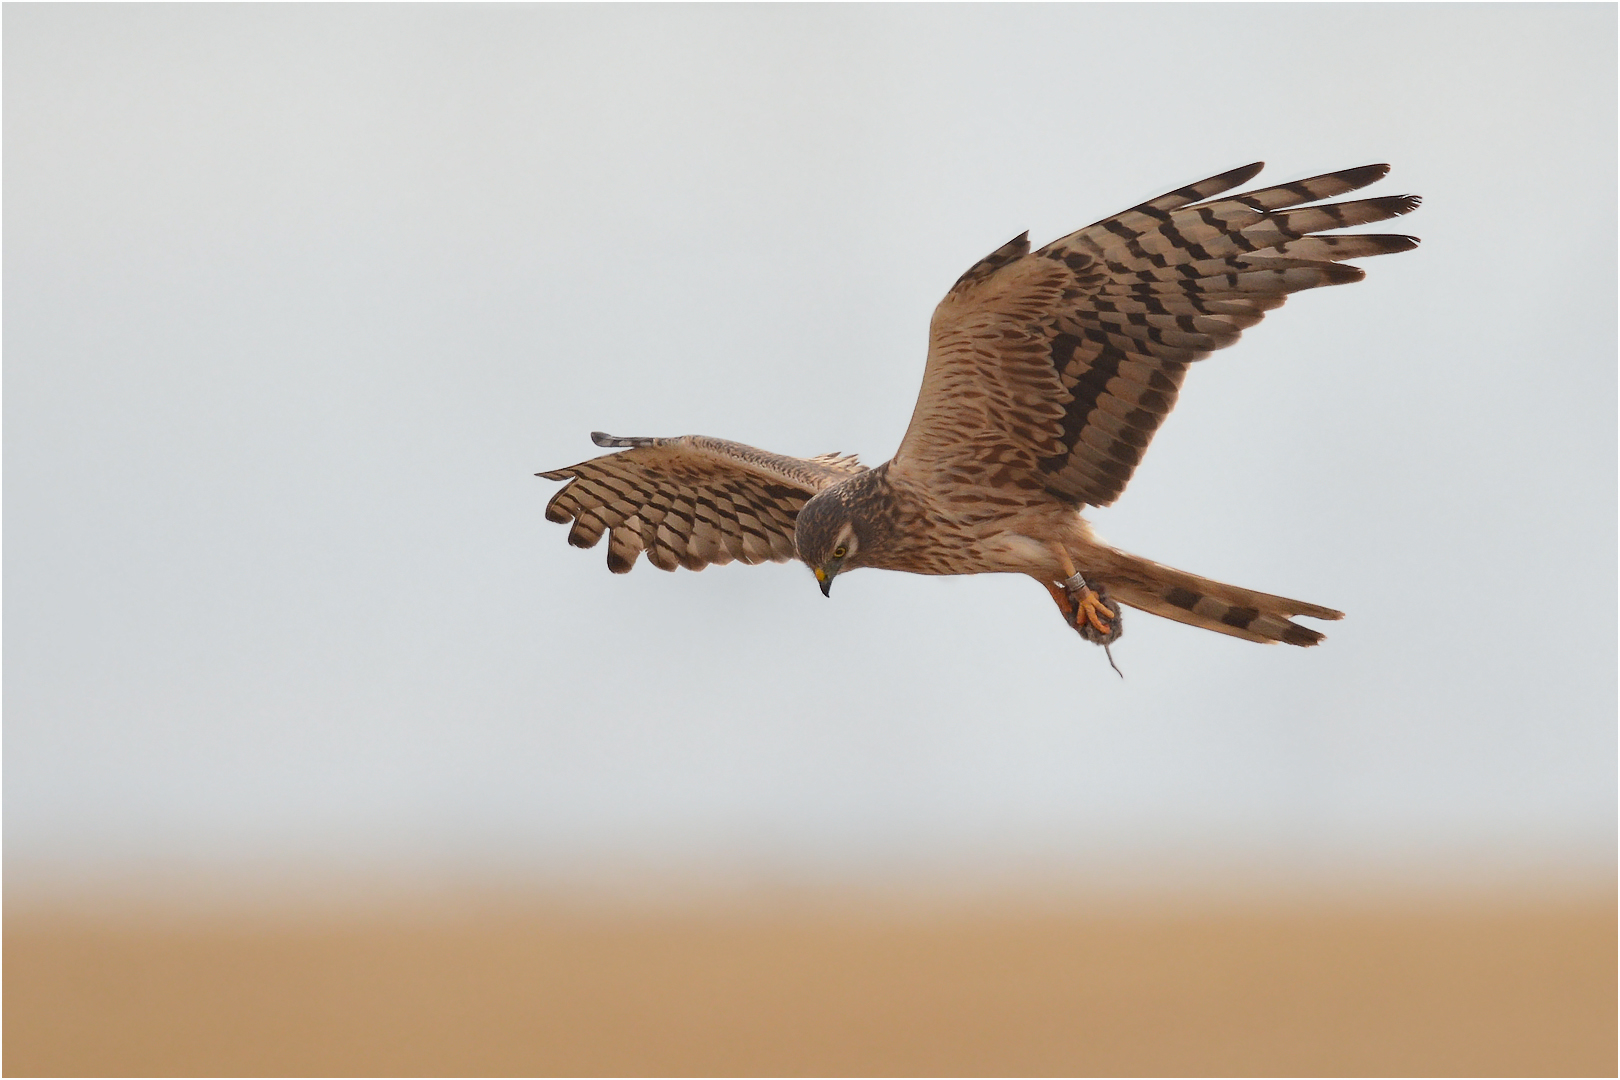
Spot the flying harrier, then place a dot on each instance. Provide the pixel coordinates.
(1048, 373)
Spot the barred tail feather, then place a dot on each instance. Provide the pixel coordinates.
(1212, 605)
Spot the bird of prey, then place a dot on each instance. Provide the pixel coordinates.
(1048, 373)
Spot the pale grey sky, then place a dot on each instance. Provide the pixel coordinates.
(297, 298)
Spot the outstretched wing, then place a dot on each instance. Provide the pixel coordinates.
(1050, 371)
(690, 501)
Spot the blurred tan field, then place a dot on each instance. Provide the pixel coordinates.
(1470, 986)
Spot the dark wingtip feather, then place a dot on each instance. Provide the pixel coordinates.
(554, 509)
(1363, 175)
(1364, 245)
(1245, 174)
(1302, 636)
(1227, 180)
(581, 538)
(1399, 204)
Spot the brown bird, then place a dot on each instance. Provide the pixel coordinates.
(1048, 373)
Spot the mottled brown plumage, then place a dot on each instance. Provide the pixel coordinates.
(1048, 374)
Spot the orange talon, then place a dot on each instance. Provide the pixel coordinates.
(1087, 610)
(1091, 605)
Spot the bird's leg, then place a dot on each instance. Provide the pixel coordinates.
(1089, 610)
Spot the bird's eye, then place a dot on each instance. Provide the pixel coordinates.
(839, 553)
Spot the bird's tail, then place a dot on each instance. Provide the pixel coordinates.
(1226, 609)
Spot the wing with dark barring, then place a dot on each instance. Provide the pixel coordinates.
(1049, 371)
(690, 501)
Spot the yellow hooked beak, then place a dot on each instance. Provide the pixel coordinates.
(826, 581)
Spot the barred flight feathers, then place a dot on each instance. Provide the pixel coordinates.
(1050, 371)
(690, 501)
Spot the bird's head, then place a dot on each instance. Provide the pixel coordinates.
(828, 537)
